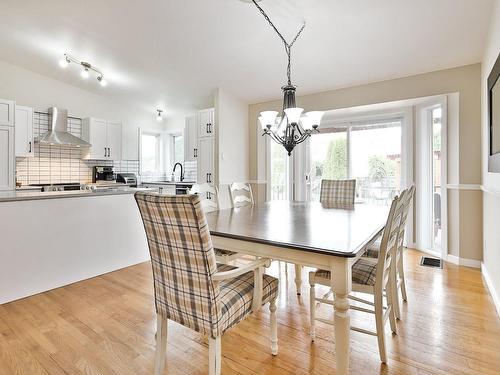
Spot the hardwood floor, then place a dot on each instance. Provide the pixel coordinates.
(106, 325)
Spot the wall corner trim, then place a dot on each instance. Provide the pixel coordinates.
(463, 261)
(491, 288)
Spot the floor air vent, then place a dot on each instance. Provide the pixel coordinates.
(431, 262)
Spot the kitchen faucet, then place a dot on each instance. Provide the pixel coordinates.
(182, 171)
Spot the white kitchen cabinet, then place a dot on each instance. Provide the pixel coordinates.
(206, 166)
(114, 139)
(206, 123)
(105, 138)
(7, 112)
(24, 131)
(191, 138)
(7, 156)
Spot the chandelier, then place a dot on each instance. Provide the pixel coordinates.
(290, 127)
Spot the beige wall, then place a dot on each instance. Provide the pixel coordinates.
(464, 143)
(491, 181)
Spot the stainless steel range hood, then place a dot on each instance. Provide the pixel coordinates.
(58, 131)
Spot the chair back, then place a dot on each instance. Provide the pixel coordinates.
(389, 242)
(209, 196)
(338, 192)
(408, 200)
(183, 260)
(241, 194)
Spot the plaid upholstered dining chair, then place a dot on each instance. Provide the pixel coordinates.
(338, 192)
(189, 287)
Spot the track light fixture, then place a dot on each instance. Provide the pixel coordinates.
(86, 68)
(159, 115)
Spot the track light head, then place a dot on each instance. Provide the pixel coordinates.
(102, 81)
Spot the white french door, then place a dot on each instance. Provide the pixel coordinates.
(431, 197)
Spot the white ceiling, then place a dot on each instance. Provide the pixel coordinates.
(173, 53)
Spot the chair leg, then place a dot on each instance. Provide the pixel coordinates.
(312, 311)
(274, 328)
(298, 278)
(391, 296)
(401, 274)
(214, 356)
(379, 319)
(392, 292)
(161, 343)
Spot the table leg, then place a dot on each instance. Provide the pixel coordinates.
(341, 286)
(298, 278)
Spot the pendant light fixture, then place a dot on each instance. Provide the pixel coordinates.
(291, 126)
(159, 115)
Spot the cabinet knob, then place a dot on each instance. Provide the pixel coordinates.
(30, 147)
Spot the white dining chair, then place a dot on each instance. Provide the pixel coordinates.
(241, 194)
(209, 197)
(373, 251)
(370, 276)
(189, 287)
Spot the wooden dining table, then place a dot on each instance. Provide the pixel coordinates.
(309, 234)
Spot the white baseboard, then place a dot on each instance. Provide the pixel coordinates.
(463, 261)
(491, 288)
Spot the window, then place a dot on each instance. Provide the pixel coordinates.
(280, 171)
(150, 152)
(369, 152)
(178, 148)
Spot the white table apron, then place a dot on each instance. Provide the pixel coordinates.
(340, 268)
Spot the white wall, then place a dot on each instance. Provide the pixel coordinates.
(491, 181)
(40, 92)
(232, 148)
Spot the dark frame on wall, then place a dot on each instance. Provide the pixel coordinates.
(494, 118)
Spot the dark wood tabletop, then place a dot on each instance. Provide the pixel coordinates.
(307, 226)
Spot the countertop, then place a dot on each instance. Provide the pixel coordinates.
(168, 182)
(13, 196)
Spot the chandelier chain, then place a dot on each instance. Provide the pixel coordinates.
(288, 46)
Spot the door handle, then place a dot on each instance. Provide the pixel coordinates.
(105, 152)
(30, 147)
(206, 128)
(109, 152)
(208, 177)
(195, 152)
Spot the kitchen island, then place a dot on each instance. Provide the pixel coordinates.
(52, 239)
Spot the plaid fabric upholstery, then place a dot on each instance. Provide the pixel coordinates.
(338, 192)
(236, 296)
(364, 272)
(220, 252)
(183, 262)
(373, 249)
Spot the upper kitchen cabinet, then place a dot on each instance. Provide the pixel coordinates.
(24, 131)
(7, 110)
(7, 157)
(105, 138)
(114, 139)
(206, 123)
(191, 138)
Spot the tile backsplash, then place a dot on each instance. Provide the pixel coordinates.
(62, 164)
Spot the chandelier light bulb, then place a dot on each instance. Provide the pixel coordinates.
(268, 119)
(315, 118)
(84, 73)
(306, 122)
(293, 114)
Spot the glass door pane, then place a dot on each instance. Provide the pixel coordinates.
(436, 115)
(280, 172)
(375, 161)
(328, 158)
